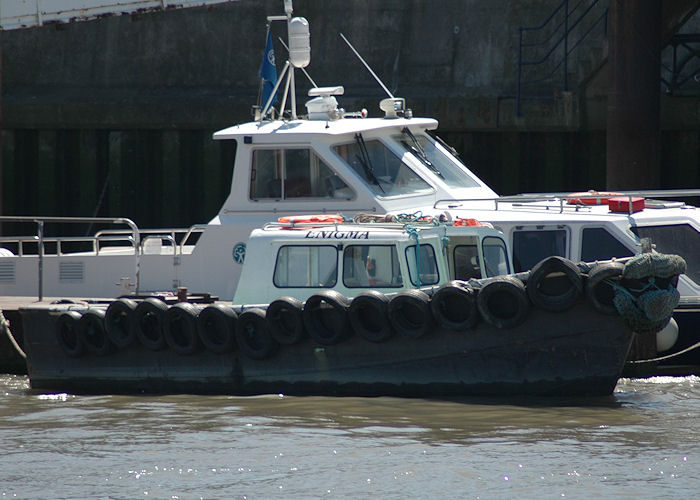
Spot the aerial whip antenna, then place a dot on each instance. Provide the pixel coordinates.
(393, 107)
(367, 66)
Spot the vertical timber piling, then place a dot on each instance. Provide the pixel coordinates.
(633, 115)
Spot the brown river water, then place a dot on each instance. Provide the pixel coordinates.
(642, 442)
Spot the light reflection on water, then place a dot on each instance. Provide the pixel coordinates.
(639, 442)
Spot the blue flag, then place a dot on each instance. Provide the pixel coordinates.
(268, 71)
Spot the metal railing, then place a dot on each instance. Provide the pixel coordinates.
(562, 200)
(132, 237)
(172, 235)
(683, 77)
(561, 22)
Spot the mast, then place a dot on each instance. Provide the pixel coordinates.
(298, 39)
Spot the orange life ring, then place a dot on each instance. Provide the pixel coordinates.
(591, 197)
(320, 218)
(466, 222)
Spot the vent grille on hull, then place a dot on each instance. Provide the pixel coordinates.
(71, 272)
(7, 272)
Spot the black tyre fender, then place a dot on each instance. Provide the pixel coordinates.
(454, 306)
(409, 313)
(148, 318)
(120, 322)
(216, 325)
(253, 335)
(67, 334)
(326, 317)
(598, 292)
(503, 302)
(92, 330)
(286, 320)
(369, 318)
(180, 328)
(555, 284)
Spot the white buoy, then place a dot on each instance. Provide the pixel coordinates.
(667, 337)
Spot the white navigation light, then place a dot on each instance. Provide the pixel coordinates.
(299, 42)
(392, 106)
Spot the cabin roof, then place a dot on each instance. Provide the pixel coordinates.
(275, 129)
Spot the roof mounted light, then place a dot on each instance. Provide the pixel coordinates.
(393, 107)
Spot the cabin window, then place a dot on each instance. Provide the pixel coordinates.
(438, 162)
(495, 256)
(428, 265)
(532, 245)
(598, 244)
(381, 169)
(466, 259)
(679, 239)
(371, 266)
(284, 174)
(306, 266)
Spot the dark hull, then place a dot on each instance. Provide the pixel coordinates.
(575, 353)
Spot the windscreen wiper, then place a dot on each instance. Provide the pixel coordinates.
(443, 143)
(418, 151)
(365, 161)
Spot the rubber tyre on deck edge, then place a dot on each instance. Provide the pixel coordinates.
(67, 334)
(369, 317)
(180, 328)
(92, 330)
(253, 335)
(409, 313)
(503, 302)
(454, 306)
(148, 318)
(599, 293)
(216, 325)
(120, 323)
(285, 317)
(326, 317)
(537, 286)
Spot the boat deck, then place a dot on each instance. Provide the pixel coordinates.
(15, 303)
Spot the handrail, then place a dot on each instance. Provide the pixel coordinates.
(170, 233)
(168, 237)
(562, 197)
(549, 18)
(40, 221)
(571, 19)
(96, 243)
(192, 229)
(679, 74)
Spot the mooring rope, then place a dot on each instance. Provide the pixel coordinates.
(668, 356)
(412, 231)
(5, 325)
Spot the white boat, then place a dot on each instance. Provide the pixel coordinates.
(329, 160)
(389, 306)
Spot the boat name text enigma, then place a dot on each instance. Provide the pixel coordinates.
(339, 235)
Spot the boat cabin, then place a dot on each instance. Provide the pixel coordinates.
(300, 258)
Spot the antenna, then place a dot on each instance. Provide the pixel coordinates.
(393, 107)
(367, 66)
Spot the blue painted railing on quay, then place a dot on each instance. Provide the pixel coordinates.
(558, 38)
